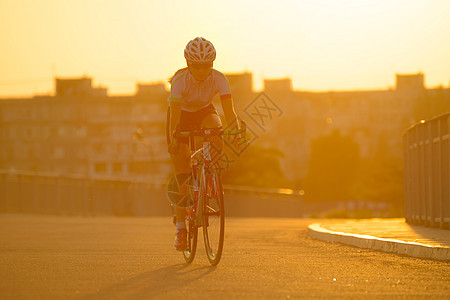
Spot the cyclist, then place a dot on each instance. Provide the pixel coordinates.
(190, 107)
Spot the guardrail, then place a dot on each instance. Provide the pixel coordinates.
(427, 168)
(45, 193)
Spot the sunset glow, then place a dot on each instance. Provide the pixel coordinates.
(321, 44)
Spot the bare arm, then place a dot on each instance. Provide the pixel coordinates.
(229, 112)
(175, 113)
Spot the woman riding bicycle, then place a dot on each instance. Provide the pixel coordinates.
(190, 107)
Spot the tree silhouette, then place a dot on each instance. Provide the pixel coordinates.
(332, 169)
(258, 166)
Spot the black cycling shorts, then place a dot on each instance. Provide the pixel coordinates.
(190, 121)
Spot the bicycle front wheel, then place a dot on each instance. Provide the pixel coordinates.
(213, 217)
(192, 226)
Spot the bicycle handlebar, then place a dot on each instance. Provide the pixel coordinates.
(211, 132)
(207, 132)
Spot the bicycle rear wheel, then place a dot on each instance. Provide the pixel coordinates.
(213, 217)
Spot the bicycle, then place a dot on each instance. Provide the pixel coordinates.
(205, 199)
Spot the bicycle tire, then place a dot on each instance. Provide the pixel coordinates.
(192, 226)
(213, 217)
(192, 233)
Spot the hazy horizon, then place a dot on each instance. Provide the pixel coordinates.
(164, 81)
(321, 45)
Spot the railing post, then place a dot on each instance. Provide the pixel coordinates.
(435, 167)
(428, 174)
(417, 178)
(407, 175)
(3, 191)
(445, 173)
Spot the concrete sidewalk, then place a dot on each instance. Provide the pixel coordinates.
(388, 235)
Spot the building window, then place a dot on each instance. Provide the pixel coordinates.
(100, 167)
(117, 167)
(139, 167)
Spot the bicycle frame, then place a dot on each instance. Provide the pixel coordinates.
(205, 159)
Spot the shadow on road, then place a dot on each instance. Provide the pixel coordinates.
(153, 283)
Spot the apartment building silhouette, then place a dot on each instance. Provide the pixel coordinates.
(81, 130)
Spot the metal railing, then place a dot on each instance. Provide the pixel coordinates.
(427, 168)
(46, 193)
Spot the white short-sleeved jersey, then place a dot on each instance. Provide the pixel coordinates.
(195, 95)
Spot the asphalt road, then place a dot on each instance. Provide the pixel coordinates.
(47, 257)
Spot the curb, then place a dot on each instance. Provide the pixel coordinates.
(417, 250)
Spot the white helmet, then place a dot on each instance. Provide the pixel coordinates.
(200, 50)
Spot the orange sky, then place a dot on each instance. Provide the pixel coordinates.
(321, 44)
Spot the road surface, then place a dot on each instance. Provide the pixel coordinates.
(54, 257)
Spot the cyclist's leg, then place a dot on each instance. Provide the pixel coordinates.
(181, 164)
(213, 121)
